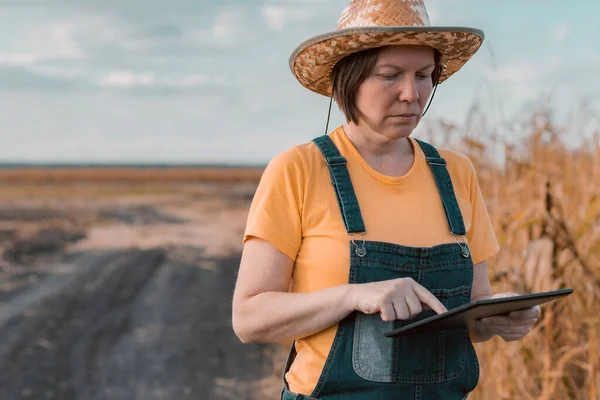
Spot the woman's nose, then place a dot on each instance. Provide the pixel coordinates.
(408, 90)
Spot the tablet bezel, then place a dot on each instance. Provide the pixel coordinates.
(531, 299)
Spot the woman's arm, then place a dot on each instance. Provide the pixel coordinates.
(264, 311)
(510, 328)
(482, 289)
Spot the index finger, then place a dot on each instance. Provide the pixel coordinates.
(426, 297)
(533, 312)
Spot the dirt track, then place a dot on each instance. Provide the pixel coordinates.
(138, 321)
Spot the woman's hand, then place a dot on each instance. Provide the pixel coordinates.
(512, 327)
(401, 298)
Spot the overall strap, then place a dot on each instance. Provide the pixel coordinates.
(444, 184)
(340, 178)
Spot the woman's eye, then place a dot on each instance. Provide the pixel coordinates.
(389, 77)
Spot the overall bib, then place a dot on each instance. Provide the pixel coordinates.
(365, 364)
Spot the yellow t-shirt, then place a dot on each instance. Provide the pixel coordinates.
(295, 209)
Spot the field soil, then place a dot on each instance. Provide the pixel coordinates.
(123, 291)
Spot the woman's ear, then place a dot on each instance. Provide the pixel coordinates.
(437, 72)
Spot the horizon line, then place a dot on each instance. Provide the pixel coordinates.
(99, 164)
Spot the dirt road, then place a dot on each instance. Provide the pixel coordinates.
(95, 320)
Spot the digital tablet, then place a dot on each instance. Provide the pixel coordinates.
(463, 316)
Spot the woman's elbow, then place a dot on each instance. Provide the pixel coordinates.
(242, 328)
(243, 334)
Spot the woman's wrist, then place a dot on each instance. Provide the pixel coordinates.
(348, 297)
(478, 333)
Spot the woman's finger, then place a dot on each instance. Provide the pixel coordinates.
(414, 305)
(426, 297)
(531, 321)
(401, 309)
(508, 329)
(533, 312)
(496, 320)
(387, 312)
(507, 321)
(511, 338)
(504, 295)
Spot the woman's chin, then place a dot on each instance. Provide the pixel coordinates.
(401, 130)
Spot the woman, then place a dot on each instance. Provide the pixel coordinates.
(363, 229)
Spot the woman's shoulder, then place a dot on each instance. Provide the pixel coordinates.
(301, 155)
(459, 165)
(297, 159)
(456, 160)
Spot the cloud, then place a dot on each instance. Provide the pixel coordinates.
(61, 42)
(516, 72)
(132, 80)
(52, 42)
(560, 32)
(275, 16)
(126, 79)
(18, 79)
(551, 69)
(118, 34)
(278, 16)
(227, 27)
(522, 92)
(17, 59)
(69, 73)
(165, 31)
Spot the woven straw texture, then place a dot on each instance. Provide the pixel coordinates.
(367, 24)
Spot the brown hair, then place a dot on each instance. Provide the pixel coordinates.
(351, 71)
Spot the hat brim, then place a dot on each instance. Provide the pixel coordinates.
(312, 61)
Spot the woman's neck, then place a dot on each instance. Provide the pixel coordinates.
(392, 157)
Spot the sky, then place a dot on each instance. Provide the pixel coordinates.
(207, 81)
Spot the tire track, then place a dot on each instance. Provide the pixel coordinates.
(43, 360)
(131, 324)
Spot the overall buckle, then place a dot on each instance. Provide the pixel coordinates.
(464, 246)
(360, 249)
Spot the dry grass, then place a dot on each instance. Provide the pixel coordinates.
(110, 182)
(545, 205)
(59, 175)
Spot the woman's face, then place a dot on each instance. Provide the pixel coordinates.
(392, 98)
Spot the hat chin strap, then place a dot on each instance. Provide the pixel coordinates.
(437, 80)
(329, 112)
(435, 85)
(430, 100)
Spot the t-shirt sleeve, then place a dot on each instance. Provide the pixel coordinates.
(482, 238)
(276, 209)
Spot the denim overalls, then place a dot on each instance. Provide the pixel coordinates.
(365, 364)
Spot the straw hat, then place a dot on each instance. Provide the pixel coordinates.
(366, 24)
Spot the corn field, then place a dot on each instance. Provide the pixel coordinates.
(544, 200)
